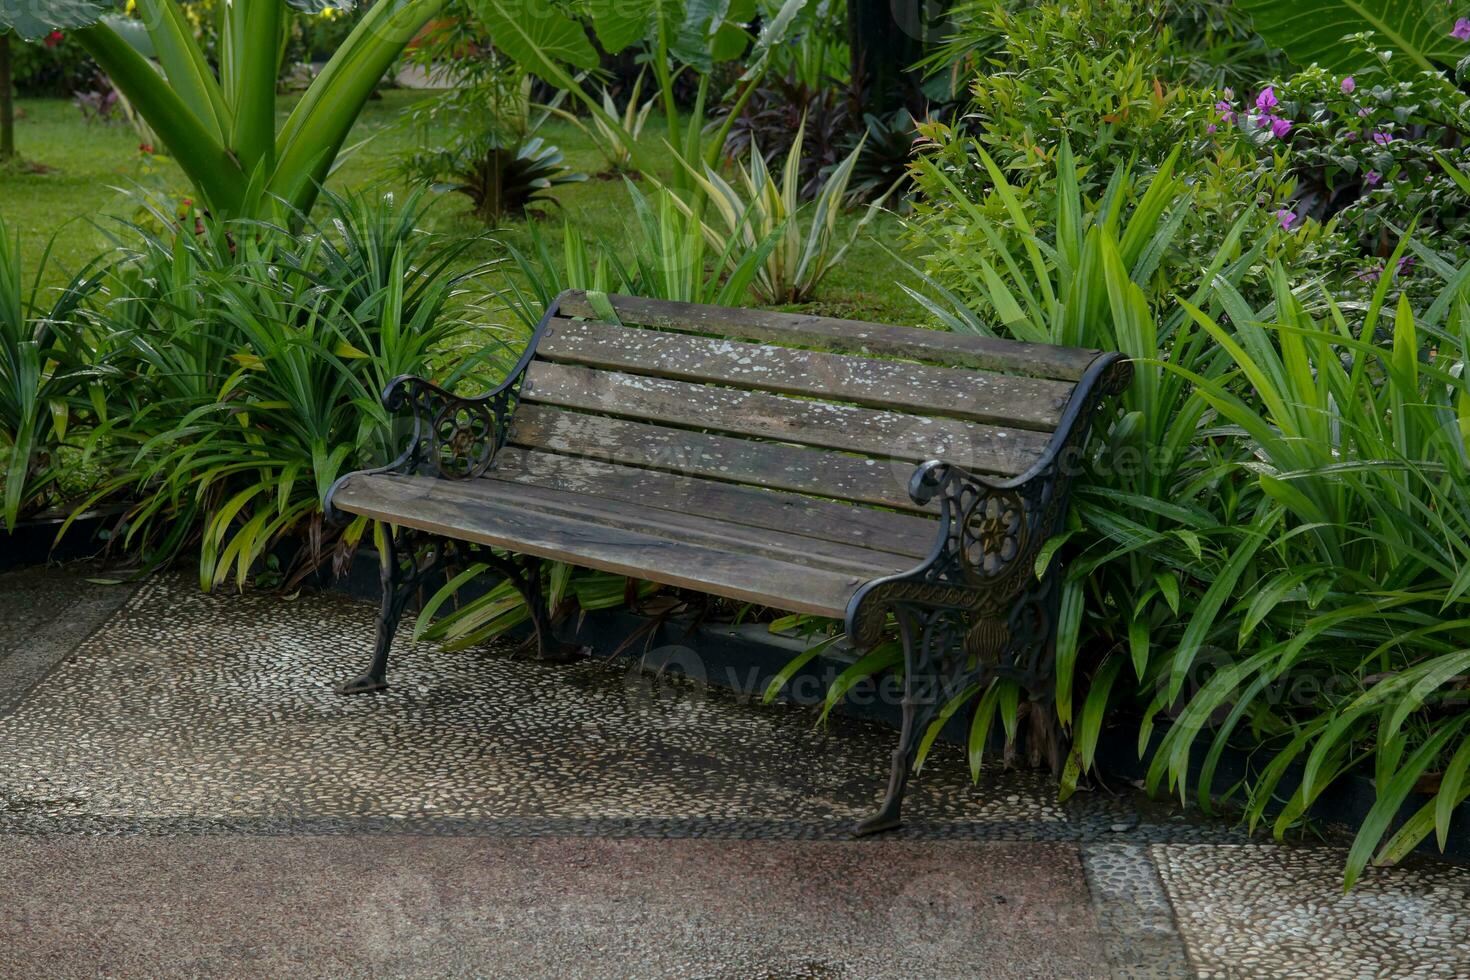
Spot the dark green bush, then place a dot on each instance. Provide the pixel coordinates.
(249, 365)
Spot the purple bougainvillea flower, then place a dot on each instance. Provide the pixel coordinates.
(1280, 127)
(1462, 29)
(1348, 85)
(1383, 139)
(1406, 265)
(1267, 98)
(1286, 217)
(1372, 177)
(1349, 136)
(1226, 110)
(1210, 128)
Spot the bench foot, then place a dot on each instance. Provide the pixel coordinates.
(543, 644)
(557, 652)
(922, 686)
(889, 815)
(408, 558)
(877, 824)
(366, 684)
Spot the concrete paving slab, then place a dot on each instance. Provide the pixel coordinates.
(45, 612)
(181, 793)
(1259, 910)
(413, 906)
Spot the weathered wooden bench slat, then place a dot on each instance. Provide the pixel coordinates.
(814, 471)
(690, 528)
(1031, 403)
(852, 336)
(419, 502)
(909, 535)
(986, 448)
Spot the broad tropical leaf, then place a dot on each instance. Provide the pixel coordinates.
(537, 35)
(620, 24)
(712, 30)
(772, 34)
(1316, 31)
(32, 19)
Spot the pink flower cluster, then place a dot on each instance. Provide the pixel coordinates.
(1265, 103)
(1263, 117)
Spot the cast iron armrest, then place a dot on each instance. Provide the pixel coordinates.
(454, 437)
(991, 530)
(988, 535)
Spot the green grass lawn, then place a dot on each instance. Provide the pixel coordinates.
(93, 173)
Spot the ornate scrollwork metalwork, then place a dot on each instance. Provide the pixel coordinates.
(992, 535)
(454, 438)
(990, 530)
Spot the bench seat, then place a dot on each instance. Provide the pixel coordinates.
(739, 558)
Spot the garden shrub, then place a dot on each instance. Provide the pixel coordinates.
(250, 364)
(492, 154)
(1269, 549)
(50, 383)
(1341, 641)
(830, 119)
(1105, 79)
(1096, 73)
(1367, 150)
(56, 67)
(1220, 577)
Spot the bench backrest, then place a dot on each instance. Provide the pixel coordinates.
(821, 406)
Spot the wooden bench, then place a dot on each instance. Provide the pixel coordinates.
(815, 465)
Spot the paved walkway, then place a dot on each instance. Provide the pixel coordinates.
(182, 794)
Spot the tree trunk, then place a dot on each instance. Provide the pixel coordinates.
(885, 38)
(7, 102)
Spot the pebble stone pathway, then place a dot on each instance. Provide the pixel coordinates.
(152, 732)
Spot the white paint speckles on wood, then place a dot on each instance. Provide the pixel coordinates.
(960, 393)
(805, 421)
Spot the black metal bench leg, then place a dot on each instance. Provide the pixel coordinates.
(548, 647)
(407, 558)
(525, 574)
(921, 688)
